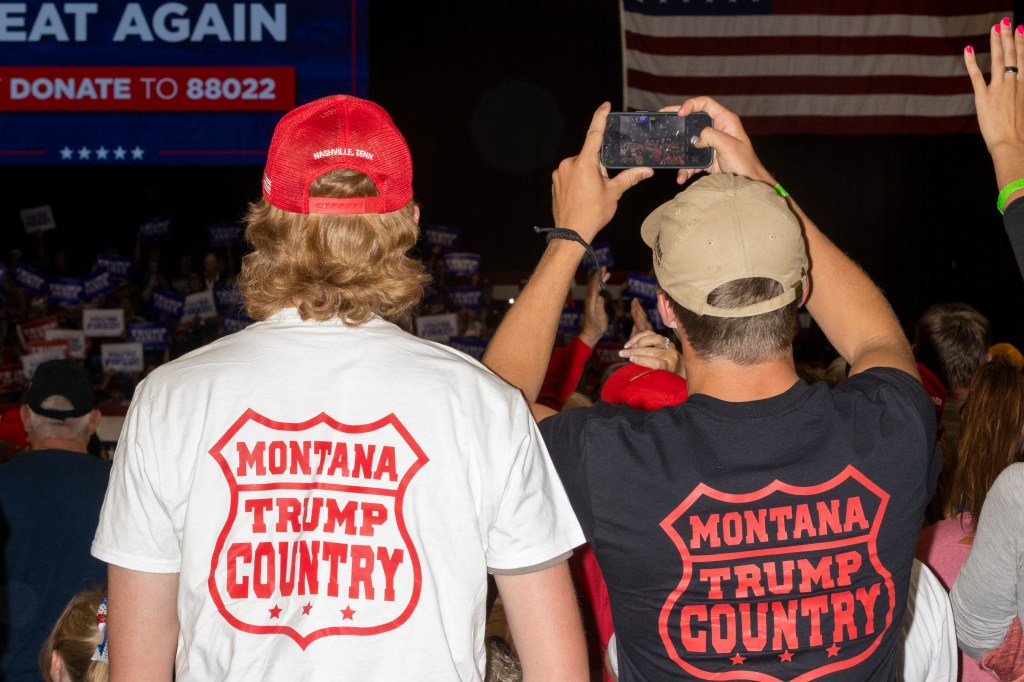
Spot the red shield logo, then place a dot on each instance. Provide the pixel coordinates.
(784, 579)
(315, 543)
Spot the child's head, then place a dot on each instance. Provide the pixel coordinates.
(68, 653)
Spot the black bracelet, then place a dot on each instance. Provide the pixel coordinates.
(571, 235)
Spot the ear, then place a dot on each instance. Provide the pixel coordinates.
(416, 213)
(667, 312)
(56, 667)
(26, 416)
(94, 421)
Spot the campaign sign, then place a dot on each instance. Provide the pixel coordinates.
(38, 219)
(122, 357)
(103, 322)
(152, 335)
(66, 291)
(470, 345)
(155, 229)
(466, 297)
(35, 330)
(569, 323)
(30, 279)
(786, 572)
(446, 238)
(235, 322)
(225, 234)
(97, 283)
(119, 267)
(200, 304)
(168, 83)
(227, 296)
(55, 344)
(12, 378)
(438, 328)
(606, 354)
(31, 361)
(75, 339)
(325, 498)
(642, 287)
(458, 264)
(169, 303)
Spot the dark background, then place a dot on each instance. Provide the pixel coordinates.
(492, 95)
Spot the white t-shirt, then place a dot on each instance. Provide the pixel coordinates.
(927, 651)
(332, 498)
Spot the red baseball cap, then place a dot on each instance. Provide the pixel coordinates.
(643, 388)
(335, 132)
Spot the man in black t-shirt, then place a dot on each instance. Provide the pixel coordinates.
(765, 528)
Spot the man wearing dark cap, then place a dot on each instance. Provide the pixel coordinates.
(322, 495)
(764, 528)
(49, 505)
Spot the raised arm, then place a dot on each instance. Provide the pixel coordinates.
(584, 199)
(1000, 107)
(843, 300)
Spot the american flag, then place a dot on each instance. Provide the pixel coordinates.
(833, 67)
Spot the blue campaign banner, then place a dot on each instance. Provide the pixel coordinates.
(642, 287)
(152, 335)
(157, 228)
(470, 345)
(224, 234)
(446, 238)
(119, 267)
(66, 291)
(168, 83)
(227, 297)
(569, 323)
(457, 264)
(169, 303)
(27, 277)
(97, 283)
(603, 251)
(465, 297)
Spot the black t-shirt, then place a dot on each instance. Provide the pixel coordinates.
(766, 539)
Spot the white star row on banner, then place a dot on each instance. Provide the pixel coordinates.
(119, 153)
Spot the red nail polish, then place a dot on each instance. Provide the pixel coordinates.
(1006, 21)
(996, 28)
(970, 49)
(1020, 30)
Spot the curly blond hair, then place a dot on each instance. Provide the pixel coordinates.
(346, 266)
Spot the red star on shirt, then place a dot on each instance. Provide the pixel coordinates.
(737, 660)
(275, 612)
(832, 651)
(307, 608)
(347, 613)
(786, 656)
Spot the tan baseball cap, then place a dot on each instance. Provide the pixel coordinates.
(722, 228)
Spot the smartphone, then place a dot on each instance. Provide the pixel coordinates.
(657, 139)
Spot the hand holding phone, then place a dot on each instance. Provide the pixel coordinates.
(655, 139)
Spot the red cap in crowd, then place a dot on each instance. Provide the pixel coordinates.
(643, 388)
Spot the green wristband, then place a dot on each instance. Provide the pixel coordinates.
(783, 193)
(1007, 191)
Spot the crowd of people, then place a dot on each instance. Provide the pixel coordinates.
(311, 490)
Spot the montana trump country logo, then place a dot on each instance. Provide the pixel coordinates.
(783, 583)
(315, 543)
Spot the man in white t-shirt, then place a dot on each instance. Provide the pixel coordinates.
(321, 495)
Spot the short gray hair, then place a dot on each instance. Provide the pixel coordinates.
(72, 428)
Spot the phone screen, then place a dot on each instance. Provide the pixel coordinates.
(656, 139)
